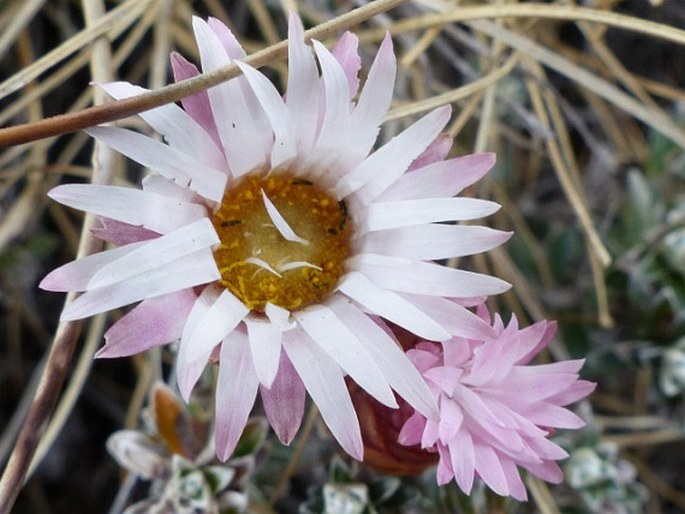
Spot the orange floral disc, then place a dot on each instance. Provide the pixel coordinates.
(258, 264)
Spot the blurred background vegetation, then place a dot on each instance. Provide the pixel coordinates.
(587, 122)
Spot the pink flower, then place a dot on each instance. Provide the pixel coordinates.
(496, 410)
(269, 232)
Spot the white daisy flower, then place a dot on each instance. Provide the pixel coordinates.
(271, 235)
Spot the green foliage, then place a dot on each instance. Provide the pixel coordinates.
(346, 493)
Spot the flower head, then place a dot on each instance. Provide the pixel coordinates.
(496, 410)
(270, 231)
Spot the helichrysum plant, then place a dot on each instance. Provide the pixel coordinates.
(273, 239)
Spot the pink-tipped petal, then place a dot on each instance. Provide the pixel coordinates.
(75, 275)
(432, 279)
(284, 401)
(154, 322)
(197, 105)
(132, 206)
(386, 165)
(193, 270)
(236, 391)
(158, 252)
(407, 213)
(455, 319)
(121, 234)
(217, 317)
(346, 53)
(233, 48)
(434, 241)
(437, 151)
(441, 179)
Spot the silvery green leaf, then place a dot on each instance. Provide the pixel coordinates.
(232, 502)
(218, 477)
(194, 487)
(345, 499)
(138, 453)
(584, 468)
(672, 371)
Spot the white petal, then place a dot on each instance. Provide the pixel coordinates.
(336, 118)
(279, 317)
(265, 343)
(218, 318)
(405, 213)
(178, 128)
(284, 145)
(374, 100)
(324, 381)
(193, 270)
(383, 167)
(171, 163)
(326, 329)
(397, 369)
(191, 361)
(456, 319)
(434, 241)
(158, 184)
(239, 119)
(280, 223)
(302, 100)
(391, 306)
(431, 279)
(236, 391)
(132, 206)
(75, 275)
(157, 252)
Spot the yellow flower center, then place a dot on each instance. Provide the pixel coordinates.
(262, 262)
